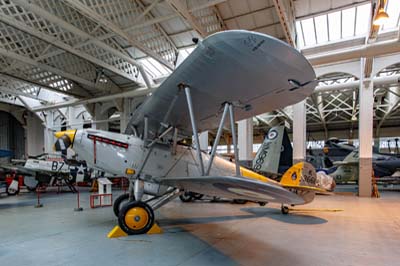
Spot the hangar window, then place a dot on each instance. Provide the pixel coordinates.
(342, 25)
(154, 68)
(392, 8)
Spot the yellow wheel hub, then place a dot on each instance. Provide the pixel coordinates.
(136, 218)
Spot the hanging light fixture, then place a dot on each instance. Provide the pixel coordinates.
(381, 17)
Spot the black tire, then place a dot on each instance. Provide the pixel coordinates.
(285, 210)
(12, 192)
(118, 203)
(31, 189)
(186, 197)
(239, 201)
(123, 218)
(197, 196)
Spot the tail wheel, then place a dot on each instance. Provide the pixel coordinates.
(284, 209)
(136, 217)
(119, 202)
(239, 201)
(186, 197)
(197, 196)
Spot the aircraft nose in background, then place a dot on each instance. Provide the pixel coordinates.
(65, 139)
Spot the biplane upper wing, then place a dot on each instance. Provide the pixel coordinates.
(232, 187)
(255, 72)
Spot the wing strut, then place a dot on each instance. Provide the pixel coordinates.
(194, 126)
(216, 141)
(234, 141)
(227, 107)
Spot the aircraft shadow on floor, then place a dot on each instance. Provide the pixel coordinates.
(293, 218)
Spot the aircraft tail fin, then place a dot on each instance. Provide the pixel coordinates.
(275, 153)
(302, 177)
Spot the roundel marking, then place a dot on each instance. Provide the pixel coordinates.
(272, 134)
(294, 176)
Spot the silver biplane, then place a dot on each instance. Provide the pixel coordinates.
(230, 76)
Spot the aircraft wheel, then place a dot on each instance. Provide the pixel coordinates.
(119, 202)
(12, 192)
(31, 189)
(239, 201)
(136, 217)
(284, 209)
(197, 196)
(186, 197)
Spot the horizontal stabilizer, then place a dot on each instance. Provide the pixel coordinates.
(302, 177)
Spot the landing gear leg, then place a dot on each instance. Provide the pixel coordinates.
(284, 209)
(120, 202)
(127, 197)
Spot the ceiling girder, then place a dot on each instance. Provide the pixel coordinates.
(28, 60)
(87, 11)
(187, 16)
(62, 45)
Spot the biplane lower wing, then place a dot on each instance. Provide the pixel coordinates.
(232, 187)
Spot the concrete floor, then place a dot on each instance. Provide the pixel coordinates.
(367, 232)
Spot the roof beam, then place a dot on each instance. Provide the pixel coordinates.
(319, 104)
(99, 19)
(126, 94)
(29, 61)
(146, 11)
(378, 81)
(368, 50)
(285, 11)
(40, 85)
(158, 24)
(171, 16)
(187, 16)
(69, 27)
(16, 92)
(394, 101)
(12, 102)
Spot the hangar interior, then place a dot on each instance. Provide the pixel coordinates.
(76, 64)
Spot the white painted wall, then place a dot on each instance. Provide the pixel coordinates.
(34, 137)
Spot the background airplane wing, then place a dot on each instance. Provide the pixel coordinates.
(255, 72)
(344, 163)
(17, 168)
(234, 188)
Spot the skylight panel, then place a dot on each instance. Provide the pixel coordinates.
(154, 68)
(300, 37)
(362, 19)
(393, 10)
(321, 28)
(348, 19)
(335, 26)
(342, 24)
(308, 30)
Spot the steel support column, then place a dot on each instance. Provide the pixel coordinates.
(365, 136)
(299, 131)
